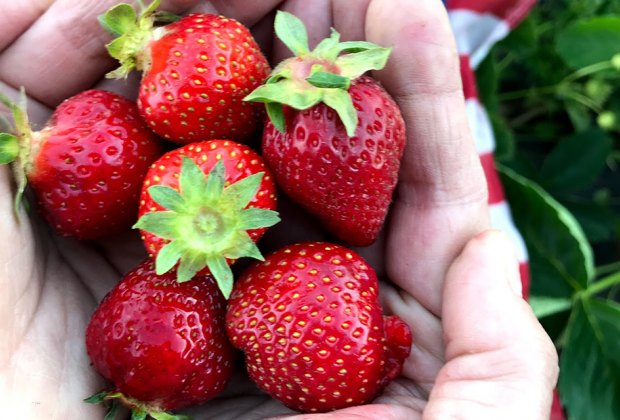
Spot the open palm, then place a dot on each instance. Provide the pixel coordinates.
(478, 350)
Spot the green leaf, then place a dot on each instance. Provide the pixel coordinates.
(589, 41)
(192, 181)
(356, 46)
(589, 363)
(215, 181)
(221, 272)
(167, 197)
(340, 101)
(138, 415)
(355, 65)
(323, 79)
(560, 256)
(160, 223)
(275, 112)
(596, 219)
(116, 49)
(255, 218)
(168, 256)
(9, 148)
(576, 162)
(167, 416)
(243, 191)
(544, 306)
(189, 266)
(579, 114)
(245, 247)
(286, 92)
(327, 47)
(112, 412)
(120, 19)
(97, 398)
(292, 32)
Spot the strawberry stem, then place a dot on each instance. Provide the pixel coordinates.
(16, 148)
(206, 223)
(139, 411)
(133, 33)
(321, 75)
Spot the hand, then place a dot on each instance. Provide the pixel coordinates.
(478, 350)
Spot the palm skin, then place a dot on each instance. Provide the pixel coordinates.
(478, 350)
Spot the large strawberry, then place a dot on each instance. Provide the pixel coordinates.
(335, 137)
(196, 72)
(204, 205)
(309, 321)
(86, 165)
(161, 343)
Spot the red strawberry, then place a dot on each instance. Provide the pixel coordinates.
(196, 72)
(87, 164)
(161, 343)
(206, 221)
(309, 321)
(336, 144)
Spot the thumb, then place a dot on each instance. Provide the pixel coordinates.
(500, 363)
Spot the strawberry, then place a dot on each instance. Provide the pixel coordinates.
(334, 145)
(161, 343)
(86, 165)
(196, 72)
(309, 321)
(204, 205)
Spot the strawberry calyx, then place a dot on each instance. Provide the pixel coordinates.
(133, 31)
(206, 223)
(322, 75)
(17, 148)
(139, 411)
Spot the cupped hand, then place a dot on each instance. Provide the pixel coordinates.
(478, 350)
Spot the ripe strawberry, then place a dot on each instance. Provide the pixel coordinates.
(196, 72)
(309, 321)
(161, 343)
(86, 165)
(335, 145)
(206, 221)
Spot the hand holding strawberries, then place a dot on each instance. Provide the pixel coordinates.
(478, 351)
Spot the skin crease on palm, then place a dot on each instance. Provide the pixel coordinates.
(478, 350)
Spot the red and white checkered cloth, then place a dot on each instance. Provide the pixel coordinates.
(477, 25)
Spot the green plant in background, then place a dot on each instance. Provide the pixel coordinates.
(552, 89)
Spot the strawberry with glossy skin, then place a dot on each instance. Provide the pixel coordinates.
(161, 343)
(205, 205)
(196, 72)
(309, 321)
(86, 165)
(335, 146)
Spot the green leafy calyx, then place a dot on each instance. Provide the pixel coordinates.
(321, 75)
(206, 223)
(133, 33)
(16, 148)
(139, 411)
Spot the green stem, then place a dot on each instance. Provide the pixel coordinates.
(519, 94)
(583, 100)
(588, 70)
(600, 286)
(555, 88)
(608, 268)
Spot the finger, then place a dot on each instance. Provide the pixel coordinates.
(500, 363)
(441, 200)
(63, 52)
(17, 15)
